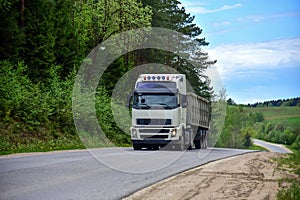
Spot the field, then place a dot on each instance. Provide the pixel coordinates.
(290, 116)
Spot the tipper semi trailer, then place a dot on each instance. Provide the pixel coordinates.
(164, 114)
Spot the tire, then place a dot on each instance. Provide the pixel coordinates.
(190, 145)
(155, 147)
(197, 144)
(205, 140)
(179, 147)
(136, 147)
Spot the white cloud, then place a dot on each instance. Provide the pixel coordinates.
(188, 3)
(202, 10)
(241, 59)
(221, 24)
(259, 18)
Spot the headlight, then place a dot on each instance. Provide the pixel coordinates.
(133, 133)
(173, 132)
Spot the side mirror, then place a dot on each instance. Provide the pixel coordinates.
(183, 101)
(129, 98)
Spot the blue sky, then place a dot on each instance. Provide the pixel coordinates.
(256, 43)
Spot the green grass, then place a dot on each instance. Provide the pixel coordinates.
(290, 116)
(291, 161)
(16, 145)
(256, 147)
(290, 193)
(289, 121)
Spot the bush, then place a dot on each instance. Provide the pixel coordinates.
(296, 143)
(276, 132)
(36, 116)
(238, 128)
(106, 119)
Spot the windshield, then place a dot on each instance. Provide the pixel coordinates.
(156, 101)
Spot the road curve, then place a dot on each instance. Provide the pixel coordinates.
(278, 148)
(82, 174)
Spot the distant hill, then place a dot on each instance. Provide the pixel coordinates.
(279, 102)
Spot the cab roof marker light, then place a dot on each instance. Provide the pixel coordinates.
(159, 77)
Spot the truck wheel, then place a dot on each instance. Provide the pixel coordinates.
(136, 147)
(197, 144)
(179, 147)
(189, 137)
(155, 147)
(205, 136)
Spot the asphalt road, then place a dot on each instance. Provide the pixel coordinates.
(96, 174)
(271, 147)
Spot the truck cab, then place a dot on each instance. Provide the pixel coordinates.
(159, 112)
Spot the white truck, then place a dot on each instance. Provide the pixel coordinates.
(165, 114)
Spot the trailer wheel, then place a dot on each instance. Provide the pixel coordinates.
(197, 144)
(205, 140)
(136, 147)
(190, 139)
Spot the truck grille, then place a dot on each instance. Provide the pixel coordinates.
(154, 136)
(154, 131)
(153, 121)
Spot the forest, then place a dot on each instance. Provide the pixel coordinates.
(43, 43)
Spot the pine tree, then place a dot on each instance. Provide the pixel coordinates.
(12, 36)
(168, 14)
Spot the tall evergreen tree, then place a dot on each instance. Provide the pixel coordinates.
(170, 14)
(62, 32)
(39, 27)
(12, 36)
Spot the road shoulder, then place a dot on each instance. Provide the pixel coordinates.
(248, 176)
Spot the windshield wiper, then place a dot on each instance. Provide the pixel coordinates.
(166, 105)
(144, 105)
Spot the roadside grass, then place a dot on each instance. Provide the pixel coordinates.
(291, 193)
(35, 144)
(291, 162)
(256, 147)
(33, 149)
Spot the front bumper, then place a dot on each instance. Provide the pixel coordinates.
(155, 142)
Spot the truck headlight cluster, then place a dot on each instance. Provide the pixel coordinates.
(173, 132)
(133, 133)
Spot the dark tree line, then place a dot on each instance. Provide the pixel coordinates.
(279, 102)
